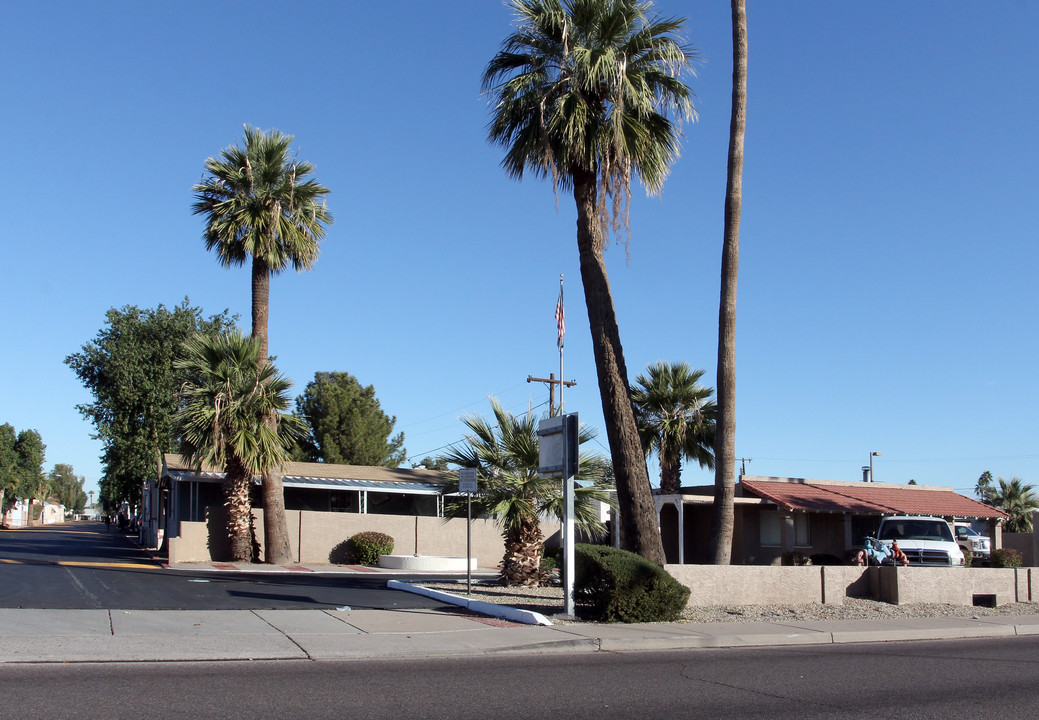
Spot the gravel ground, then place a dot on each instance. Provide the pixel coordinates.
(549, 601)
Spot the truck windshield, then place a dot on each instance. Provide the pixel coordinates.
(916, 530)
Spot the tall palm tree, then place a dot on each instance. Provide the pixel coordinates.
(675, 416)
(505, 452)
(261, 204)
(1017, 500)
(590, 92)
(723, 510)
(226, 403)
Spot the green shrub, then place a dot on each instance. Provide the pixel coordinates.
(621, 586)
(796, 558)
(548, 564)
(1006, 558)
(968, 556)
(368, 546)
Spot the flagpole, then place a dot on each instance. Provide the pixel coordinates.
(560, 326)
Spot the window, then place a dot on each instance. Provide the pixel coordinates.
(802, 530)
(771, 524)
(772, 529)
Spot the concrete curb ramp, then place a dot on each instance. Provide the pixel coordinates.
(526, 617)
(84, 636)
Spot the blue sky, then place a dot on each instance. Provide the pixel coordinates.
(888, 243)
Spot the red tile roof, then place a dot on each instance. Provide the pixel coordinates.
(868, 498)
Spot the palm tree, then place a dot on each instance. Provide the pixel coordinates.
(260, 203)
(585, 91)
(506, 454)
(1019, 501)
(723, 510)
(226, 404)
(675, 416)
(984, 489)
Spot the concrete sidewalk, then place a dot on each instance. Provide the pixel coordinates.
(62, 636)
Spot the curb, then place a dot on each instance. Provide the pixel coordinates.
(527, 617)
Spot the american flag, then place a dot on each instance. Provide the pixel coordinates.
(560, 319)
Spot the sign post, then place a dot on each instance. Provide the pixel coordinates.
(467, 484)
(558, 457)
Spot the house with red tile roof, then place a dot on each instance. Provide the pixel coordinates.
(822, 519)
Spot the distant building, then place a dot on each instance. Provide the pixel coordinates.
(821, 519)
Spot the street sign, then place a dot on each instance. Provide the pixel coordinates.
(558, 442)
(467, 480)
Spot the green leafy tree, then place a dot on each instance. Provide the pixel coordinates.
(589, 92)
(227, 398)
(347, 424)
(67, 487)
(260, 204)
(985, 489)
(30, 453)
(505, 452)
(8, 467)
(723, 510)
(431, 463)
(675, 416)
(128, 368)
(1017, 500)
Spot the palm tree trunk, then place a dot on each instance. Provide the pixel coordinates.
(722, 516)
(239, 511)
(276, 548)
(261, 286)
(524, 547)
(670, 476)
(639, 531)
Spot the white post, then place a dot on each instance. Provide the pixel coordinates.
(568, 526)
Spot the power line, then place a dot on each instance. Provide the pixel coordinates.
(429, 453)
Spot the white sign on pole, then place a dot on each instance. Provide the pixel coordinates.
(467, 480)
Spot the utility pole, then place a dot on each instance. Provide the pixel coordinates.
(551, 381)
(743, 465)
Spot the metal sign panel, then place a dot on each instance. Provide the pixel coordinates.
(558, 441)
(467, 480)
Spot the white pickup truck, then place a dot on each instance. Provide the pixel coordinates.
(924, 539)
(978, 544)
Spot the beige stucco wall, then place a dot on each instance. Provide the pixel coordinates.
(830, 584)
(191, 545)
(314, 536)
(841, 581)
(749, 584)
(955, 586)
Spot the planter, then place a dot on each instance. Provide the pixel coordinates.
(425, 563)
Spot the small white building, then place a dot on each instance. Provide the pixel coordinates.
(20, 514)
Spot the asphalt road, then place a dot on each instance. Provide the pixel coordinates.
(87, 566)
(921, 680)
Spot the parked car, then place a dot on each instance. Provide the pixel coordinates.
(924, 539)
(968, 539)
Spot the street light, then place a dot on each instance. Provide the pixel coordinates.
(871, 456)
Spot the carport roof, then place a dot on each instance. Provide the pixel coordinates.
(866, 498)
(326, 476)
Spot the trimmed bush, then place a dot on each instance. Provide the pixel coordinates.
(621, 586)
(1005, 558)
(368, 546)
